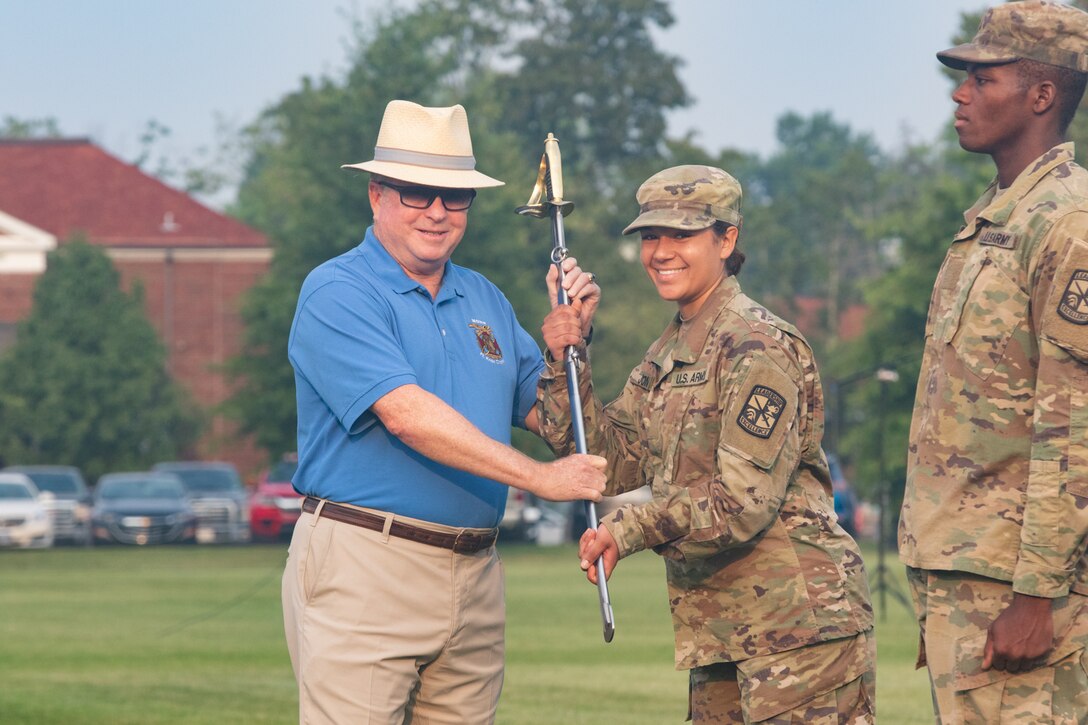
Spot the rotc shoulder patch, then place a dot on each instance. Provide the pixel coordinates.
(1065, 317)
(760, 414)
(762, 408)
(1073, 304)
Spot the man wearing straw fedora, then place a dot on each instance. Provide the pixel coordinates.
(410, 371)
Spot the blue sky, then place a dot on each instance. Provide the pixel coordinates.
(104, 68)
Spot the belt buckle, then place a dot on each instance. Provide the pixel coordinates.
(465, 545)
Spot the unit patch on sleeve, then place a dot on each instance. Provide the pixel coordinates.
(485, 338)
(1073, 305)
(760, 414)
(1065, 316)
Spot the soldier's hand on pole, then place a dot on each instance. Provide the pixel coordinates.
(598, 544)
(561, 329)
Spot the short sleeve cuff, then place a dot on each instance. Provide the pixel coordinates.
(354, 418)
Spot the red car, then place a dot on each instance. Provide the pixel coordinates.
(275, 505)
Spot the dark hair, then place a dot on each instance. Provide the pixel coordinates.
(734, 261)
(1069, 84)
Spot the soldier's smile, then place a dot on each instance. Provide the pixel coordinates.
(685, 266)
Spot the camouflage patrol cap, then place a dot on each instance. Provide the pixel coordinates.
(1048, 32)
(687, 197)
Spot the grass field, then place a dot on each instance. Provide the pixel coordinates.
(194, 635)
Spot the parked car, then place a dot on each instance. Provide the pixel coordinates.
(275, 506)
(66, 497)
(24, 520)
(220, 501)
(142, 508)
(520, 517)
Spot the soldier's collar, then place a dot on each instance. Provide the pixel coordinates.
(1000, 207)
(694, 333)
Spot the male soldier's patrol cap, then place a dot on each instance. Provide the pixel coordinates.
(1048, 32)
(687, 197)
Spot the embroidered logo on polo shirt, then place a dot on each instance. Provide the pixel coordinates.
(485, 338)
(994, 238)
(761, 413)
(1074, 304)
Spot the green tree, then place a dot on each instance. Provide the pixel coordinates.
(12, 127)
(933, 187)
(606, 118)
(85, 383)
(806, 214)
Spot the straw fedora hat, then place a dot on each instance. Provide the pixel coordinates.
(429, 146)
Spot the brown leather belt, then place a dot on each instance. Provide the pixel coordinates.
(465, 542)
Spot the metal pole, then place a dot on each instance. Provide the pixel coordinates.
(547, 200)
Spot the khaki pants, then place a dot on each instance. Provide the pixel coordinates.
(954, 611)
(831, 683)
(382, 630)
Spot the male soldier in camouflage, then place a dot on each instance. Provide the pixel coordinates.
(996, 505)
(723, 420)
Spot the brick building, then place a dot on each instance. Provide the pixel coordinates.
(194, 263)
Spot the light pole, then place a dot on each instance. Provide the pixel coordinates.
(884, 376)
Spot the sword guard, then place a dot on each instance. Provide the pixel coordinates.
(547, 195)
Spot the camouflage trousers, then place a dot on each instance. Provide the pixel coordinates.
(954, 611)
(831, 683)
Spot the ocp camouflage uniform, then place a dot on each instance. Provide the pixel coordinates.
(723, 420)
(997, 476)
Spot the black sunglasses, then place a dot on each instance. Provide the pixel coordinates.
(421, 197)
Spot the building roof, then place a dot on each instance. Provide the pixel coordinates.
(71, 186)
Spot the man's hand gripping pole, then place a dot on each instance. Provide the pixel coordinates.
(547, 201)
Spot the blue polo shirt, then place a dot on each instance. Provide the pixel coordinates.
(363, 328)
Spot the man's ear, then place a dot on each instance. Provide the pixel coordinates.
(374, 191)
(1046, 97)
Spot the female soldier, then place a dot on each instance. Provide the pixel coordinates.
(723, 420)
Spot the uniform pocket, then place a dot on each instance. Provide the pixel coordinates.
(773, 684)
(1043, 513)
(1076, 483)
(984, 318)
(968, 673)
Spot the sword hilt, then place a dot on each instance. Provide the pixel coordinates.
(547, 194)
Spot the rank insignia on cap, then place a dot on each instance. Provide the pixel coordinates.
(1074, 303)
(761, 413)
(485, 338)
